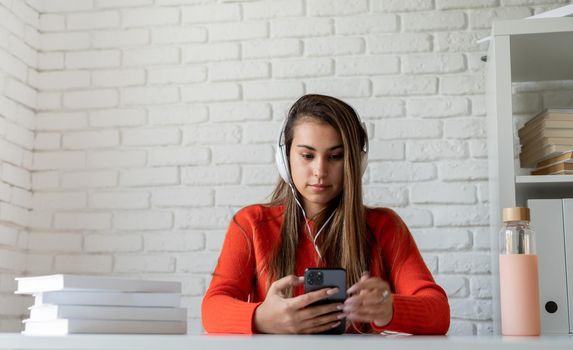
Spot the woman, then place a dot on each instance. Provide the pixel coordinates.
(317, 219)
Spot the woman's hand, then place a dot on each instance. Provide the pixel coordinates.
(371, 301)
(279, 314)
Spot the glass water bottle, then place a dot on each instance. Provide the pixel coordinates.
(518, 279)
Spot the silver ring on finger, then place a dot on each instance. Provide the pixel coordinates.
(385, 295)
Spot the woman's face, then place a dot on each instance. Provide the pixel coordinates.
(316, 163)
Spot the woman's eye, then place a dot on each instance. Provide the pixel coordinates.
(336, 156)
(307, 156)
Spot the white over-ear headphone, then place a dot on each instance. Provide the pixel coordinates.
(281, 157)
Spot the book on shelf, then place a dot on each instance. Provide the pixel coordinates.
(563, 157)
(529, 159)
(31, 285)
(148, 299)
(53, 312)
(77, 326)
(559, 168)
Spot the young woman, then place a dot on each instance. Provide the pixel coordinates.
(317, 219)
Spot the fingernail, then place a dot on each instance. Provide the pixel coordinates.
(332, 291)
(336, 324)
(340, 307)
(341, 316)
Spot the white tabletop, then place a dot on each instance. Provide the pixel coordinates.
(279, 342)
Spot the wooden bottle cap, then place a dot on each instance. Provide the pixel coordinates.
(515, 214)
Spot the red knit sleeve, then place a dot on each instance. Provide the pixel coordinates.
(420, 305)
(225, 307)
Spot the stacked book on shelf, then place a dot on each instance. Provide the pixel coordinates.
(545, 140)
(68, 304)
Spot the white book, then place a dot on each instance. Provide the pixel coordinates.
(72, 326)
(53, 312)
(31, 285)
(108, 298)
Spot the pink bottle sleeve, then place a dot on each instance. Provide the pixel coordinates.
(519, 294)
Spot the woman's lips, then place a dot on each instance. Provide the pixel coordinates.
(319, 188)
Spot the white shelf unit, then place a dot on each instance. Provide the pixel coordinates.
(526, 50)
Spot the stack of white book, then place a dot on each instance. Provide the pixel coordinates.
(68, 304)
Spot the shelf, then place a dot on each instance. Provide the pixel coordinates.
(544, 179)
(543, 187)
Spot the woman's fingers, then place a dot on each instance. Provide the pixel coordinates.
(284, 283)
(306, 299)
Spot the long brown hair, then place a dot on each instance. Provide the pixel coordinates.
(345, 241)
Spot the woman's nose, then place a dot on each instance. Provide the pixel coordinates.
(320, 168)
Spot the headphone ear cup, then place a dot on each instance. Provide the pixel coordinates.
(281, 161)
(364, 162)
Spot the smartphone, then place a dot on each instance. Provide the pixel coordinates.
(319, 278)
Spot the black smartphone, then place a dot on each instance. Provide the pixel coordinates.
(319, 278)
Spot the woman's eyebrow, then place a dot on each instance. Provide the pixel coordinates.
(314, 149)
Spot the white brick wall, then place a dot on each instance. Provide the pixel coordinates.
(132, 130)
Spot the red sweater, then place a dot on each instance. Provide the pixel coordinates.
(238, 287)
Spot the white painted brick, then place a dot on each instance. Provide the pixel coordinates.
(454, 286)
(378, 107)
(242, 195)
(461, 215)
(21, 93)
(336, 7)
(40, 263)
(93, 59)
(444, 20)
(455, 239)
(210, 92)
(177, 115)
(481, 287)
(400, 43)
(238, 112)
(11, 153)
(179, 156)
(11, 260)
(211, 13)
(408, 129)
(143, 220)
(120, 38)
(149, 177)
(444, 193)
(64, 41)
(144, 264)
(200, 262)
(59, 160)
(523, 103)
(436, 150)
(211, 134)
(238, 31)
(386, 150)
(211, 175)
(189, 74)
(91, 139)
(239, 71)
(465, 128)
(366, 24)
(402, 5)
(182, 197)
(482, 19)
(16, 176)
(243, 154)
(272, 90)
(141, 137)
(8, 235)
(22, 50)
(558, 99)
(402, 172)
(54, 201)
(462, 84)
(437, 107)
(371, 65)
(45, 180)
(462, 4)
(82, 221)
(146, 57)
(301, 27)
(178, 35)
(117, 117)
(14, 214)
(50, 60)
(303, 68)
(459, 41)
(65, 6)
(468, 263)
(259, 175)
(434, 63)
(83, 263)
(461, 327)
(61, 80)
(40, 220)
(145, 17)
(405, 85)
(463, 170)
(92, 20)
(478, 148)
(48, 100)
(119, 200)
(17, 113)
(149, 95)
(20, 136)
(122, 3)
(52, 22)
(485, 329)
(112, 159)
(90, 99)
(385, 196)
(61, 121)
(21, 198)
(112, 243)
(89, 179)
(272, 48)
(174, 242)
(342, 88)
(12, 66)
(211, 52)
(273, 9)
(260, 132)
(5, 192)
(215, 240)
(333, 46)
